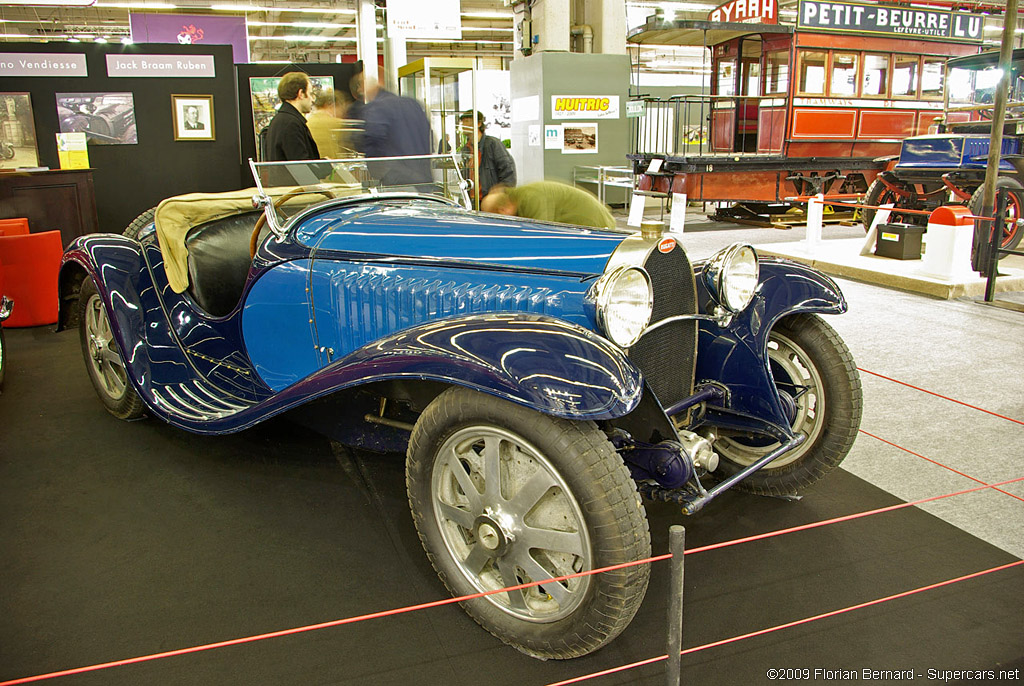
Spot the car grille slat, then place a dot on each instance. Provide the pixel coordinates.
(667, 355)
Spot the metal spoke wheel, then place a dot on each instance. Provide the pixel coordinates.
(502, 496)
(103, 358)
(818, 385)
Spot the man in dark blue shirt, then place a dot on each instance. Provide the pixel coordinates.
(396, 126)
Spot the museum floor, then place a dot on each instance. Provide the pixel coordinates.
(120, 540)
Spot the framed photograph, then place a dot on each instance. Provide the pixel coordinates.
(104, 118)
(17, 131)
(579, 138)
(193, 117)
(263, 91)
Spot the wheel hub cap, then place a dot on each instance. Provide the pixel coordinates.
(491, 536)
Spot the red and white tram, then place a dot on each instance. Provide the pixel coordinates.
(795, 109)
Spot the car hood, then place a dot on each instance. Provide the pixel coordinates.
(425, 230)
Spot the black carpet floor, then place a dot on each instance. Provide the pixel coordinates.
(125, 539)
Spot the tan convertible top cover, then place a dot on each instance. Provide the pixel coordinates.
(175, 216)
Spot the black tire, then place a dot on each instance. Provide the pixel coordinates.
(879, 194)
(1012, 230)
(103, 359)
(562, 493)
(814, 369)
(134, 229)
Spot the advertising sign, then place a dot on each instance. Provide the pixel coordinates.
(42, 64)
(192, 30)
(747, 12)
(891, 21)
(584, 107)
(160, 66)
(418, 19)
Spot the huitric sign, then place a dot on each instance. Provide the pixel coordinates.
(892, 21)
(584, 107)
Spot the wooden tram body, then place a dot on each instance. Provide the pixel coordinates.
(796, 109)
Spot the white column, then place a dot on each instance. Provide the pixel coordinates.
(366, 48)
(551, 25)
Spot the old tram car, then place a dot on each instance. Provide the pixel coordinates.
(815, 107)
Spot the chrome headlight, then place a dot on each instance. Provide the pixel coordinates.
(625, 301)
(731, 276)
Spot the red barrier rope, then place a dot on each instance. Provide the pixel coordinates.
(450, 601)
(898, 210)
(937, 395)
(788, 625)
(938, 464)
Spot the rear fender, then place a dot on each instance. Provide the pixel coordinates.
(737, 355)
(547, 364)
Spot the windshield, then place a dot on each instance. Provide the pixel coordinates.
(292, 187)
(978, 86)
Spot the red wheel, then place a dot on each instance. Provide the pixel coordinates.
(1012, 229)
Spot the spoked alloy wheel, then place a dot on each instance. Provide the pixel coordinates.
(819, 386)
(103, 358)
(502, 496)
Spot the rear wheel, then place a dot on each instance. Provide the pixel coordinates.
(502, 495)
(1012, 230)
(103, 358)
(816, 378)
(880, 194)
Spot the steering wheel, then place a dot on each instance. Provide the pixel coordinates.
(295, 192)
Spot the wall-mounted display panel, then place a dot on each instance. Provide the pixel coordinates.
(105, 118)
(17, 131)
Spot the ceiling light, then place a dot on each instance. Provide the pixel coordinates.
(137, 5)
(302, 24)
(488, 15)
(125, 40)
(99, 39)
(484, 28)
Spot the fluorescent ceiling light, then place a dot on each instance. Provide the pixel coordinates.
(301, 24)
(138, 5)
(50, 3)
(488, 15)
(485, 29)
(256, 8)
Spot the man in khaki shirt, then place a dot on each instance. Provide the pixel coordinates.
(550, 201)
(325, 124)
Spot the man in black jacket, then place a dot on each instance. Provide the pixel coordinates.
(495, 163)
(288, 137)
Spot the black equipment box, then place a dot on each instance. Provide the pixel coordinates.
(899, 241)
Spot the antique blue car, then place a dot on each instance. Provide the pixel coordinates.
(948, 167)
(542, 379)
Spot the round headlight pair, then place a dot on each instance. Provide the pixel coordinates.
(731, 276)
(625, 301)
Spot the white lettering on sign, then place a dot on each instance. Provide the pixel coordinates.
(747, 12)
(161, 66)
(42, 64)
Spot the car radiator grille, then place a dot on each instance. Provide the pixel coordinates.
(667, 355)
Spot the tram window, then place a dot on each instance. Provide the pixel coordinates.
(844, 74)
(727, 77)
(753, 78)
(961, 86)
(904, 76)
(777, 78)
(812, 72)
(932, 74)
(876, 76)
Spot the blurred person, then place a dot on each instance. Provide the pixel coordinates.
(325, 125)
(495, 163)
(396, 126)
(549, 201)
(288, 136)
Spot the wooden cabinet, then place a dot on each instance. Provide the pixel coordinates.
(60, 200)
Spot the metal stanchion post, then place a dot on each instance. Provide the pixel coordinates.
(676, 546)
(995, 242)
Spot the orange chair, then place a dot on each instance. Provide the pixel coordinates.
(31, 263)
(14, 227)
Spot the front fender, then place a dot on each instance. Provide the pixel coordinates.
(547, 364)
(737, 355)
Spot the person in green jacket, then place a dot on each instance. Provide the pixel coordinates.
(549, 201)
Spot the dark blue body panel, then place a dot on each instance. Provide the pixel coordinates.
(498, 305)
(953, 151)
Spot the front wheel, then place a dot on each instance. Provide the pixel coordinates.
(817, 380)
(880, 194)
(103, 358)
(502, 495)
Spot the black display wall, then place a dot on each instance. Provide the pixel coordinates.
(342, 73)
(132, 178)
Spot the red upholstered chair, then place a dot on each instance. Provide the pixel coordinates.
(30, 264)
(14, 227)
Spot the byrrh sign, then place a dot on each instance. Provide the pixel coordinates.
(892, 21)
(747, 12)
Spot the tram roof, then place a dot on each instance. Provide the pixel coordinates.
(695, 32)
(989, 58)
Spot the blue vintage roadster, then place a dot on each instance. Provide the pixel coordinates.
(540, 377)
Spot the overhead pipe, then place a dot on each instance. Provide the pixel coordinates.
(588, 36)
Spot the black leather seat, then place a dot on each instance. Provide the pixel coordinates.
(218, 261)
